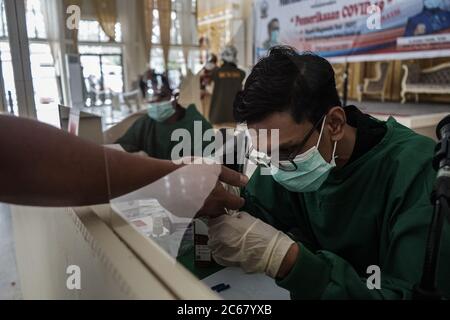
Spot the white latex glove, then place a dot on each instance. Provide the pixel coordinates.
(242, 240)
(235, 191)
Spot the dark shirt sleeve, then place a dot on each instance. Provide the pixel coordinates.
(242, 75)
(132, 140)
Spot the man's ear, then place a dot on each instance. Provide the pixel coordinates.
(336, 120)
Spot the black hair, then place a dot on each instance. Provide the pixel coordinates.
(213, 58)
(301, 84)
(271, 22)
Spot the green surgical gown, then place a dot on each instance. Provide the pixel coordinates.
(374, 211)
(155, 138)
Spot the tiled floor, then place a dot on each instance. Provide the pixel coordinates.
(9, 280)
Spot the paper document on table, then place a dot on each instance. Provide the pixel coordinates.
(164, 209)
(246, 286)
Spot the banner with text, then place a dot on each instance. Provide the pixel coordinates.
(355, 30)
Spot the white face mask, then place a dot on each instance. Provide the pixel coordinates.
(445, 5)
(432, 4)
(160, 111)
(312, 169)
(209, 66)
(274, 35)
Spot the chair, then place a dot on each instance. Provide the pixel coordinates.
(376, 85)
(339, 77)
(434, 80)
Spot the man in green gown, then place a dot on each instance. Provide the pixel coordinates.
(344, 211)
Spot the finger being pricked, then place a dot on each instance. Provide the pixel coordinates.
(218, 201)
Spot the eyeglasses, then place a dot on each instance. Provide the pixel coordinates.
(285, 163)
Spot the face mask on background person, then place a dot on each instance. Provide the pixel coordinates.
(432, 4)
(274, 35)
(312, 169)
(209, 66)
(160, 111)
(445, 5)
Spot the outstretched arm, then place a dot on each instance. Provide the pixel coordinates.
(43, 166)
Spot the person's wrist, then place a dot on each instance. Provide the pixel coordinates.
(288, 262)
(167, 166)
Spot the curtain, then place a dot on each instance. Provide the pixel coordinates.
(187, 26)
(134, 62)
(106, 11)
(190, 91)
(50, 10)
(147, 9)
(165, 22)
(57, 34)
(71, 34)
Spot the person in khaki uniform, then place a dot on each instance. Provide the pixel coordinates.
(206, 83)
(227, 83)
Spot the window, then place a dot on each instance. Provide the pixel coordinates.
(3, 25)
(102, 73)
(6, 61)
(175, 30)
(44, 80)
(101, 61)
(91, 31)
(42, 65)
(177, 65)
(175, 34)
(99, 49)
(45, 84)
(35, 20)
(8, 76)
